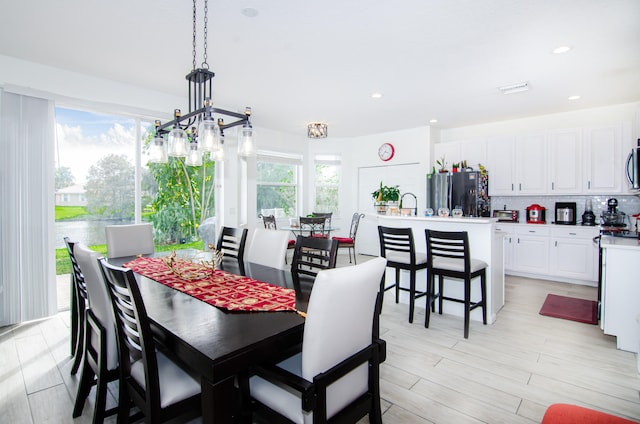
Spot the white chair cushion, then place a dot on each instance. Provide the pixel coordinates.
(403, 258)
(268, 247)
(288, 402)
(175, 383)
(129, 240)
(99, 300)
(458, 264)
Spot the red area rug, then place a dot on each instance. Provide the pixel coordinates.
(570, 308)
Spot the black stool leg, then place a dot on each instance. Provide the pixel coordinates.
(430, 305)
(483, 288)
(397, 285)
(467, 306)
(412, 294)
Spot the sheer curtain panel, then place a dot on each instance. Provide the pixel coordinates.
(27, 260)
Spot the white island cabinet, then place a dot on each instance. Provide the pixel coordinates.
(620, 306)
(485, 244)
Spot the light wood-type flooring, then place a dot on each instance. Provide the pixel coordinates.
(508, 372)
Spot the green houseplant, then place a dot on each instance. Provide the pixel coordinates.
(384, 195)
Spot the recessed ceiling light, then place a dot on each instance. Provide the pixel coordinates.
(376, 96)
(250, 12)
(561, 49)
(433, 121)
(574, 97)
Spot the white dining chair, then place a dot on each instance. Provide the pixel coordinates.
(268, 247)
(129, 240)
(100, 365)
(337, 371)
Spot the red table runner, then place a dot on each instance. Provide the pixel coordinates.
(217, 287)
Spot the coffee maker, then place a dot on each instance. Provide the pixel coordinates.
(588, 217)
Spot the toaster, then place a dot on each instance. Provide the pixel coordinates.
(506, 215)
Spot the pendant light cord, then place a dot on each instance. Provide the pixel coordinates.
(205, 65)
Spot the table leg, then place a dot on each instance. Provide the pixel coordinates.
(218, 401)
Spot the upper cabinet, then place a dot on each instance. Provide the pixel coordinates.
(473, 151)
(603, 160)
(517, 165)
(571, 161)
(565, 161)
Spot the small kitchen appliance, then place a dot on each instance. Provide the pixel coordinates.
(588, 217)
(633, 168)
(612, 217)
(536, 214)
(566, 213)
(506, 215)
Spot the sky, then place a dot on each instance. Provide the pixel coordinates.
(83, 138)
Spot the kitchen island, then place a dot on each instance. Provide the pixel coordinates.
(485, 243)
(620, 306)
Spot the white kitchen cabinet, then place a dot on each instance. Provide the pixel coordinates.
(603, 160)
(531, 173)
(517, 165)
(573, 254)
(620, 292)
(565, 161)
(501, 158)
(509, 239)
(551, 252)
(474, 151)
(531, 251)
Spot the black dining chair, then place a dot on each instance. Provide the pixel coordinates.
(100, 365)
(79, 307)
(350, 242)
(334, 376)
(231, 243)
(310, 256)
(448, 255)
(398, 247)
(315, 226)
(154, 383)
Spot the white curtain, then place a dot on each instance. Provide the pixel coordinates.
(27, 260)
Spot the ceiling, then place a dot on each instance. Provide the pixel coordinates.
(299, 61)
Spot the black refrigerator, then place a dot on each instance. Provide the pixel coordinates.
(470, 192)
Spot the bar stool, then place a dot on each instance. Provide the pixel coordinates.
(448, 256)
(397, 246)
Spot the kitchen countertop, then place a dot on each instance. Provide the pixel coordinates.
(462, 220)
(609, 242)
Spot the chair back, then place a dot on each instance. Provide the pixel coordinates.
(314, 225)
(76, 273)
(339, 323)
(99, 300)
(232, 242)
(448, 250)
(269, 222)
(268, 247)
(396, 245)
(135, 340)
(312, 255)
(129, 240)
(326, 215)
(355, 221)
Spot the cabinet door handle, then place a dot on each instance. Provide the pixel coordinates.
(532, 231)
(552, 186)
(511, 186)
(589, 185)
(556, 243)
(572, 234)
(520, 187)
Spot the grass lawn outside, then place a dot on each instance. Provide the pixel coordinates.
(63, 263)
(70, 212)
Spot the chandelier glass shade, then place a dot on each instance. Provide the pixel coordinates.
(197, 135)
(317, 130)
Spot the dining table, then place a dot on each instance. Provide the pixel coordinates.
(218, 344)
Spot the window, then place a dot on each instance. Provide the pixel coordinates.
(278, 184)
(327, 184)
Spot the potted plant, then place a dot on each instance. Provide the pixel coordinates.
(383, 196)
(454, 167)
(442, 163)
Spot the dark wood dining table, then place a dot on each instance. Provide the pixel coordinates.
(218, 344)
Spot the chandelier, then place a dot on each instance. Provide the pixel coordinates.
(190, 136)
(317, 130)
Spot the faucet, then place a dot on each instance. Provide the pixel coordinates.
(415, 202)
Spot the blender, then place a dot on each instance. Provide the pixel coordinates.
(588, 217)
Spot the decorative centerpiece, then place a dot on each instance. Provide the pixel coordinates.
(195, 267)
(386, 198)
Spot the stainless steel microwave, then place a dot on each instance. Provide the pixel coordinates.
(633, 168)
